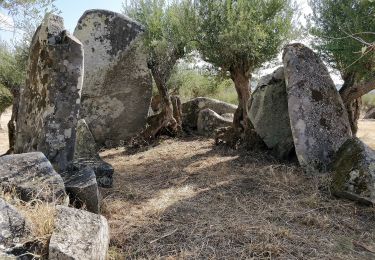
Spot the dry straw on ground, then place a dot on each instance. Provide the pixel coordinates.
(189, 199)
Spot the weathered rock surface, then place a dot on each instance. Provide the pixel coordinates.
(86, 155)
(191, 109)
(370, 114)
(117, 86)
(31, 175)
(209, 121)
(78, 235)
(82, 188)
(269, 114)
(354, 172)
(50, 101)
(13, 225)
(318, 118)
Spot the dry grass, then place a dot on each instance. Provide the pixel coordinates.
(188, 199)
(41, 216)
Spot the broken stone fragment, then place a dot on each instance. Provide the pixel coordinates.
(78, 235)
(318, 118)
(209, 121)
(50, 101)
(269, 114)
(117, 84)
(191, 109)
(13, 226)
(86, 155)
(82, 188)
(354, 172)
(32, 176)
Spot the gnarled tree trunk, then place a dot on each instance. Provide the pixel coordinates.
(161, 67)
(241, 78)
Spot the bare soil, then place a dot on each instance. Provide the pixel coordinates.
(189, 199)
(4, 119)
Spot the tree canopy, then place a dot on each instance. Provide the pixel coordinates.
(343, 27)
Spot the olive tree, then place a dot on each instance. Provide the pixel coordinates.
(345, 31)
(238, 36)
(169, 30)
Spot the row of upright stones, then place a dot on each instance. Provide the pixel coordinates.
(298, 110)
(82, 91)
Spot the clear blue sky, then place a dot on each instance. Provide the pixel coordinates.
(71, 10)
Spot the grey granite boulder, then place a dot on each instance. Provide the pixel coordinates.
(209, 121)
(32, 176)
(354, 172)
(370, 114)
(269, 114)
(86, 155)
(318, 118)
(117, 86)
(78, 235)
(13, 225)
(50, 101)
(82, 188)
(191, 109)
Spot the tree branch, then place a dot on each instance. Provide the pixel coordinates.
(357, 91)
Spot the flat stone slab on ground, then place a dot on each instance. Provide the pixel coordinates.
(78, 235)
(32, 176)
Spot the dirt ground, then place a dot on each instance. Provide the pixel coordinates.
(4, 119)
(189, 199)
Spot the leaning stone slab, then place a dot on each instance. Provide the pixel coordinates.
(191, 109)
(86, 155)
(370, 114)
(318, 118)
(82, 188)
(13, 225)
(78, 235)
(209, 121)
(32, 176)
(50, 101)
(354, 172)
(117, 86)
(269, 114)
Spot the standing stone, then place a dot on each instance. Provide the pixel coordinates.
(78, 235)
(32, 176)
(117, 86)
(354, 172)
(50, 101)
(191, 109)
(318, 118)
(269, 114)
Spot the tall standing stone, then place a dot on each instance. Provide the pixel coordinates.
(50, 101)
(117, 86)
(318, 118)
